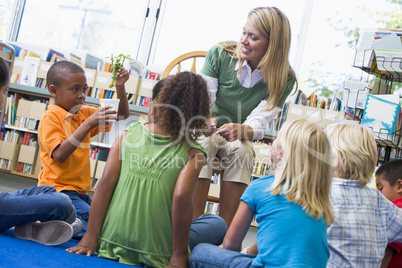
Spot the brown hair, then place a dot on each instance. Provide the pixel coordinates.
(4, 73)
(182, 105)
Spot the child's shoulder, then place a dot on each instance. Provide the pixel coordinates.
(135, 126)
(264, 182)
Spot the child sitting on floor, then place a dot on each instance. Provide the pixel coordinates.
(141, 212)
(389, 182)
(39, 213)
(65, 130)
(365, 221)
(292, 207)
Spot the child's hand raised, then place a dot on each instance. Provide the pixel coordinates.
(122, 77)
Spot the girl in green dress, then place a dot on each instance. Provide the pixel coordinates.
(141, 213)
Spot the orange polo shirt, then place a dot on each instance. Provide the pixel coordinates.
(55, 126)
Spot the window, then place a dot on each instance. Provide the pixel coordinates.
(6, 11)
(98, 27)
(189, 25)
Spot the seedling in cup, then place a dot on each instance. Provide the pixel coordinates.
(117, 63)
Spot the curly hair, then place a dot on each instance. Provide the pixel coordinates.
(182, 106)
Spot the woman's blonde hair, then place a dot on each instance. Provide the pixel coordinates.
(354, 152)
(304, 173)
(273, 25)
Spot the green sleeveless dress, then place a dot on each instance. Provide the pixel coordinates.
(137, 228)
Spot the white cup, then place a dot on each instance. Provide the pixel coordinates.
(110, 102)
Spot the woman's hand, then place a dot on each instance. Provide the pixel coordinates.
(230, 131)
(234, 131)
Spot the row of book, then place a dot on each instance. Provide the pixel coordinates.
(211, 208)
(11, 137)
(216, 178)
(87, 60)
(31, 141)
(261, 168)
(26, 114)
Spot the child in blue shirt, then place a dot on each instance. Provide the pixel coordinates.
(292, 207)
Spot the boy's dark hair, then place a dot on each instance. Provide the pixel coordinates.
(390, 171)
(57, 71)
(4, 72)
(182, 105)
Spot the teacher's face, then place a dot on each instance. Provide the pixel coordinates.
(254, 44)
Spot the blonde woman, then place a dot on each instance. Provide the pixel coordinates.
(248, 83)
(365, 220)
(292, 207)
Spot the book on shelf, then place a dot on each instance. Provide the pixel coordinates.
(53, 55)
(136, 68)
(312, 100)
(27, 155)
(29, 71)
(76, 59)
(381, 116)
(93, 62)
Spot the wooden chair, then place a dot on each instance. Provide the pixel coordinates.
(180, 59)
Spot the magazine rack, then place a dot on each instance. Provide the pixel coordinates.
(388, 70)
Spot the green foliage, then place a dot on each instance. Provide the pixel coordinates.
(319, 81)
(323, 83)
(117, 62)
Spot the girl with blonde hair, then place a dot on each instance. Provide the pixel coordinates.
(248, 83)
(292, 207)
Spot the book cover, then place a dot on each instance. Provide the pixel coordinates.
(93, 62)
(381, 116)
(29, 71)
(136, 68)
(51, 55)
(76, 59)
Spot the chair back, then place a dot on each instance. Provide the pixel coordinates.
(194, 55)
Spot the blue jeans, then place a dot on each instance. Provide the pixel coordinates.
(208, 256)
(40, 203)
(82, 204)
(208, 228)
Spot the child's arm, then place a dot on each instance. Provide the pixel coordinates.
(239, 227)
(182, 207)
(101, 200)
(122, 78)
(389, 253)
(68, 146)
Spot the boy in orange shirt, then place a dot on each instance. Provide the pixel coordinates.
(65, 130)
(388, 179)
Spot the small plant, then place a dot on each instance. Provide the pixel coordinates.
(117, 62)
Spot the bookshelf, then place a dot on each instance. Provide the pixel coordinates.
(386, 66)
(18, 152)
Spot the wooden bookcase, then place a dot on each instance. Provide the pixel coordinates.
(136, 113)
